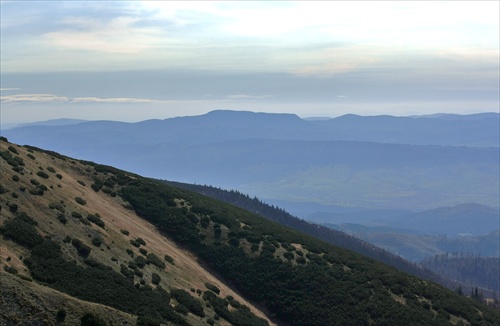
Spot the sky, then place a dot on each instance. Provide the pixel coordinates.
(139, 60)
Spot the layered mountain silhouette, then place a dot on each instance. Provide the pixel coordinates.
(377, 162)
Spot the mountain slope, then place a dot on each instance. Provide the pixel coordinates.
(299, 280)
(59, 216)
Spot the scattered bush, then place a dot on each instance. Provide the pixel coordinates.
(13, 208)
(81, 182)
(135, 243)
(13, 150)
(51, 169)
(15, 178)
(97, 241)
(212, 287)
(143, 251)
(96, 220)
(169, 259)
(80, 201)
(187, 300)
(42, 174)
(10, 269)
(59, 176)
(82, 249)
(62, 218)
(155, 260)
(124, 232)
(76, 215)
(155, 279)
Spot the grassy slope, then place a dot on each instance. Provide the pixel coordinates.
(186, 274)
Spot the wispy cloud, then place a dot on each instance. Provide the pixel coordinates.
(247, 97)
(46, 98)
(40, 98)
(119, 35)
(9, 89)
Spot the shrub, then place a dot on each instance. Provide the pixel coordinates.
(21, 229)
(96, 220)
(61, 315)
(13, 150)
(169, 259)
(155, 279)
(31, 156)
(187, 300)
(76, 215)
(57, 206)
(62, 218)
(13, 208)
(81, 182)
(51, 169)
(82, 249)
(10, 269)
(212, 287)
(97, 185)
(96, 241)
(153, 259)
(135, 243)
(42, 174)
(80, 201)
(124, 232)
(140, 261)
(15, 178)
(90, 319)
(143, 251)
(141, 241)
(59, 176)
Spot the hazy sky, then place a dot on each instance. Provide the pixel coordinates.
(139, 60)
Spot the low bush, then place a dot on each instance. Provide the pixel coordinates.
(42, 174)
(82, 249)
(80, 201)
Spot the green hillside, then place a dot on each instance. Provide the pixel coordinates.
(80, 250)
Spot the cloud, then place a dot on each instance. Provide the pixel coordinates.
(39, 98)
(247, 97)
(9, 89)
(50, 98)
(119, 35)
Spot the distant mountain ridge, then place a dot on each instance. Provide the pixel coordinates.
(446, 130)
(351, 161)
